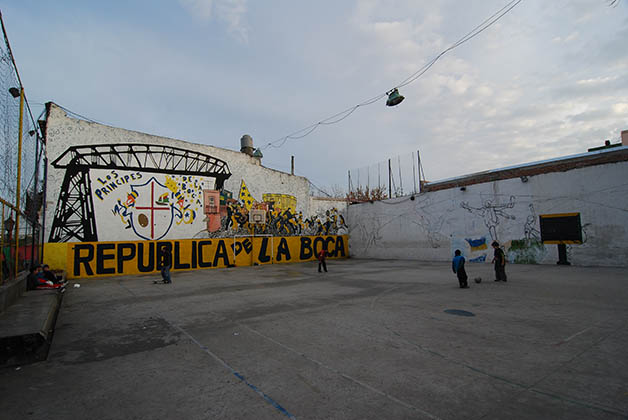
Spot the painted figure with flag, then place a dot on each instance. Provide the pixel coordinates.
(245, 196)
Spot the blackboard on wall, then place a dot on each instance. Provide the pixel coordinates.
(561, 228)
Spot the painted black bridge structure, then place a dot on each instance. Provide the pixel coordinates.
(74, 215)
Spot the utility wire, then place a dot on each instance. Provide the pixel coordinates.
(79, 115)
(340, 116)
(17, 73)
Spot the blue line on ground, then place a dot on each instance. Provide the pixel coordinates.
(238, 375)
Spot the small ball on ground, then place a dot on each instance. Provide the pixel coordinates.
(478, 279)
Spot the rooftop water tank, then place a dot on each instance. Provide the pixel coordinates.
(246, 145)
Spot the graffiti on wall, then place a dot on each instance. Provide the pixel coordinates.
(430, 220)
(151, 208)
(275, 214)
(491, 213)
(89, 259)
(150, 192)
(146, 200)
(478, 249)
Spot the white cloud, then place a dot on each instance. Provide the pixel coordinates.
(596, 81)
(199, 8)
(571, 37)
(231, 12)
(621, 109)
(508, 96)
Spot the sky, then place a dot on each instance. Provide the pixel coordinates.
(549, 79)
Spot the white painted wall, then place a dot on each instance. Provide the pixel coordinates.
(63, 132)
(320, 205)
(434, 224)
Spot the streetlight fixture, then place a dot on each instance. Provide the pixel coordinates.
(15, 92)
(394, 98)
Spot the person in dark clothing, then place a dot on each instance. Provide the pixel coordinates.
(31, 280)
(321, 259)
(36, 280)
(166, 263)
(499, 260)
(457, 265)
(49, 275)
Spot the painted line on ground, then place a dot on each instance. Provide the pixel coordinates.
(235, 373)
(572, 337)
(521, 386)
(344, 375)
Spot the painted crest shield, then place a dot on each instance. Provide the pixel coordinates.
(153, 210)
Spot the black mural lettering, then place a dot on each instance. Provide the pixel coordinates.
(221, 252)
(177, 257)
(238, 248)
(330, 240)
(122, 257)
(85, 260)
(340, 247)
(318, 244)
(248, 245)
(283, 249)
(141, 267)
(263, 256)
(101, 257)
(160, 247)
(194, 255)
(201, 262)
(306, 248)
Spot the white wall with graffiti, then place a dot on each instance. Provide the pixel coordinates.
(111, 184)
(434, 224)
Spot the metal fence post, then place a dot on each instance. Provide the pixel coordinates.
(19, 179)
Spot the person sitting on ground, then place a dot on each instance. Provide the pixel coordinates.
(457, 265)
(49, 275)
(36, 279)
(31, 280)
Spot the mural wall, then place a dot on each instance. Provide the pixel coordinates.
(108, 184)
(434, 224)
(94, 259)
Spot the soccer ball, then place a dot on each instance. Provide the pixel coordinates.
(478, 279)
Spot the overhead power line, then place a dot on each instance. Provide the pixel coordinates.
(340, 116)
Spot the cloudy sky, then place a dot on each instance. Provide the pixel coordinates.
(549, 79)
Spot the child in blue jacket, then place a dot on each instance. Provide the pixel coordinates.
(458, 266)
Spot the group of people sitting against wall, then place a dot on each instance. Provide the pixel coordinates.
(42, 278)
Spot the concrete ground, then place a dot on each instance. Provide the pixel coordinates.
(368, 340)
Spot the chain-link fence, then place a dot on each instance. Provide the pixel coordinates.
(21, 168)
(395, 177)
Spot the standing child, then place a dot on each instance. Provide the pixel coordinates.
(321, 259)
(457, 265)
(499, 260)
(166, 263)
